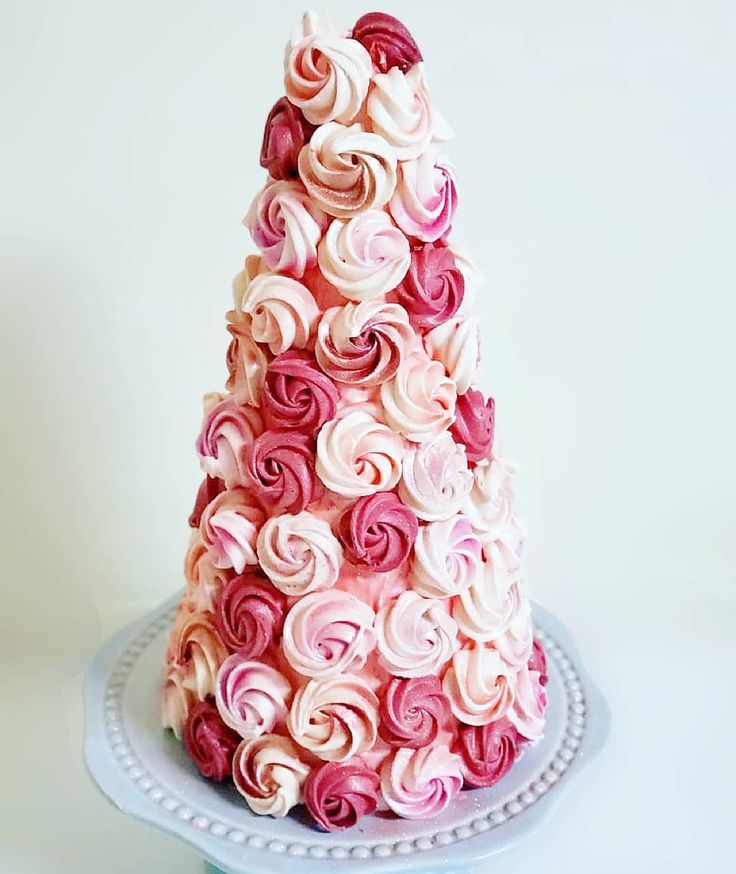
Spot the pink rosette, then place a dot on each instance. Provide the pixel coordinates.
(363, 343)
(285, 133)
(269, 773)
(246, 361)
(530, 703)
(487, 751)
(434, 287)
(474, 425)
(297, 394)
(284, 314)
(228, 427)
(413, 712)
(419, 784)
(252, 697)
(208, 490)
(448, 558)
(249, 615)
(456, 344)
(491, 504)
(339, 794)
(435, 480)
(538, 662)
(388, 41)
(286, 225)
(209, 742)
(196, 646)
(425, 200)
(229, 527)
(279, 468)
(176, 701)
(400, 110)
(479, 685)
(204, 580)
(378, 532)
(328, 633)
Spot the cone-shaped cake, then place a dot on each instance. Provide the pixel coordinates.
(355, 634)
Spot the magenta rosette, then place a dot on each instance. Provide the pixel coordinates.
(339, 794)
(249, 615)
(434, 287)
(285, 133)
(388, 41)
(378, 531)
(209, 742)
(297, 394)
(487, 751)
(413, 711)
(474, 424)
(208, 490)
(279, 468)
(538, 662)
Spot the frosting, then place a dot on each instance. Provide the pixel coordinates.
(283, 310)
(388, 41)
(538, 662)
(474, 424)
(425, 199)
(297, 394)
(419, 401)
(279, 467)
(364, 256)
(487, 751)
(252, 697)
(204, 580)
(249, 615)
(363, 343)
(479, 685)
(415, 636)
(246, 362)
(435, 480)
(433, 288)
(356, 455)
(229, 527)
(208, 490)
(378, 532)
(418, 784)
(413, 711)
(530, 702)
(209, 742)
(328, 633)
(400, 111)
(339, 794)
(456, 343)
(515, 642)
(196, 646)
(285, 133)
(336, 718)
(176, 701)
(228, 426)
(347, 170)
(448, 558)
(491, 505)
(299, 553)
(269, 773)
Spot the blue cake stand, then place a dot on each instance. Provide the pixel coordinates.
(145, 772)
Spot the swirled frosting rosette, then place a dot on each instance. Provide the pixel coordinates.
(338, 794)
(378, 532)
(297, 394)
(229, 527)
(491, 503)
(448, 558)
(246, 361)
(177, 699)
(388, 41)
(279, 469)
(530, 702)
(209, 742)
(285, 132)
(204, 579)
(228, 427)
(474, 424)
(413, 712)
(249, 615)
(479, 685)
(269, 773)
(516, 641)
(283, 311)
(435, 480)
(252, 697)
(208, 490)
(487, 751)
(400, 111)
(425, 199)
(456, 344)
(418, 784)
(196, 647)
(433, 288)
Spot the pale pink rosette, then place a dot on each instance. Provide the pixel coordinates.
(530, 703)
(328, 633)
(254, 264)
(479, 685)
(516, 641)
(491, 504)
(269, 773)
(283, 311)
(456, 343)
(347, 170)
(251, 696)
(197, 648)
(177, 700)
(246, 361)
(364, 256)
(286, 225)
(204, 580)
(357, 455)
(435, 481)
(424, 202)
(415, 636)
(400, 110)
(335, 719)
(229, 528)
(448, 558)
(418, 784)
(228, 427)
(419, 401)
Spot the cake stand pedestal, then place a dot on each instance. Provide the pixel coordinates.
(146, 773)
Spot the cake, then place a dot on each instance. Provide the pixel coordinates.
(355, 634)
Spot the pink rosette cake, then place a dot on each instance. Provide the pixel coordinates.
(355, 633)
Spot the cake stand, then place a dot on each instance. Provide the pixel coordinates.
(146, 773)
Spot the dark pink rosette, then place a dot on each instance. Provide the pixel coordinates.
(249, 614)
(474, 424)
(338, 794)
(413, 711)
(297, 394)
(208, 490)
(487, 751)
(538, 662)
(209, 742)
(279, 469)
(434, 287)
(378, 531)
(387, 40)
(285, 133)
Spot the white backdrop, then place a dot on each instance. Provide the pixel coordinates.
(595, 151)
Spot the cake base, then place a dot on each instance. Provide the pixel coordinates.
(146, 773)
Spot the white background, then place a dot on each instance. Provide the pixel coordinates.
(595, 147)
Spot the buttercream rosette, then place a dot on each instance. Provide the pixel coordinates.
(252, 696)
(339, 794)
(418, 784)
(284, 314)
(448, 558)
(229, 527)
(269, 773)
(435, 479)
(227, 428)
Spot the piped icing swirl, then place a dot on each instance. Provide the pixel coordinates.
(433, 288)
(284, 134)
(269, 773)
(249, 615)
(208, 490)
(413, 711)
(297, 394)
(229, 527)
(246, 361)
(279, 468)
(487, 751)
(479, 685)
(227, 427)
(418, 784)
(448, 558)
(456, 343)
(283, 311)
(252, 697)
(435, 481)
(388, 41)
(210, 743)
(425, 198)
(378, 532)
(196, 647)
(400, 111)
(204, 580)
(491, 504)
(530, 703)
(338, 794)
(474, 424)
